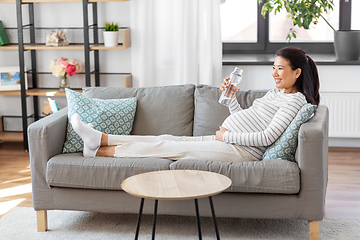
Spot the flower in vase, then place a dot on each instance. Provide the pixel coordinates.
(62, 66)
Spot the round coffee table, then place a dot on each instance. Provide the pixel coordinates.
(176, 185)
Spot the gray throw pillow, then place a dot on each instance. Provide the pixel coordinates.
(209, 114)
(160, 110)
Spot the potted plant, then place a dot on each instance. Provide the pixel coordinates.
(303, 13)
(111, 34)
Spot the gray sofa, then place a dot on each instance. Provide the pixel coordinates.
(274, 188)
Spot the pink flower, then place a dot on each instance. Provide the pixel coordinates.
(63, 64)
(76, 64)
(78, 68)
(72, 62)
(71, 70)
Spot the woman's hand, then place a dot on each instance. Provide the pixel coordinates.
(231, 89)
(220, 134)
(224, 84)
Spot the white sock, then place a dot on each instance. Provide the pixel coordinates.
(90, 136)
(88, 152)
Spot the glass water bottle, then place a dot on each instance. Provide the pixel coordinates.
(227, 95)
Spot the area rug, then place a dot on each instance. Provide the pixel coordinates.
(20, 224)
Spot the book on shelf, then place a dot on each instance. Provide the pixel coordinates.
(4, 39)
(53, 105)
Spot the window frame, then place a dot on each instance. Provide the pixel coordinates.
(263, 45)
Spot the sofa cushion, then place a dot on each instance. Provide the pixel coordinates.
(209, 113)
(160, 110)
(112, 116)
(74, 171)
(285, 146)
(267, 176)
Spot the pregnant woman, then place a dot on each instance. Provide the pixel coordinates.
(243, 136)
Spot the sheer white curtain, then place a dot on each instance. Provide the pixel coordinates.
(175, 42)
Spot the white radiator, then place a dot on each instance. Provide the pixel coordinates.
(344, 113)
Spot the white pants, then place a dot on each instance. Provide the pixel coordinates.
(175, 148)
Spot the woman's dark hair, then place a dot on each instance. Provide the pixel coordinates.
(308, 81)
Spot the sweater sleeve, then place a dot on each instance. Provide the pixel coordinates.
(277, 126)
(234, 106)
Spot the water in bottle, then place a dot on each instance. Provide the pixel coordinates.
(227, 94)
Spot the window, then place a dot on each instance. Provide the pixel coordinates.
(279, 26)
(355, 17)
(239, 24)
(238, 28)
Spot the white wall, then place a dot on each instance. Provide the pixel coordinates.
(332, 78)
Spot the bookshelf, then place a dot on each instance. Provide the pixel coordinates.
(88, 45)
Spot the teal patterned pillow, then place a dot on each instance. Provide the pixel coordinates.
(285, 146)
(111, 116)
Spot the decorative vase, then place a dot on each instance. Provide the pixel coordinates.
(347, 45)
(64, 83)
(111, 38)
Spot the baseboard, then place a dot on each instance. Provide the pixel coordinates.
(344, 142)
(344, 149)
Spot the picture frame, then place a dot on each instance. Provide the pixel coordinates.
(10, 79)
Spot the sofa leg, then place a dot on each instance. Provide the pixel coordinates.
(314, 230)
(41, 217)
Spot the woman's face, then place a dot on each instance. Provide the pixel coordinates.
(284, 76)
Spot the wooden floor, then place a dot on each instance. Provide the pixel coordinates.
(342, 198)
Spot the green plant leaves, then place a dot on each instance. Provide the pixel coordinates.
(111, 26)
(302, 12)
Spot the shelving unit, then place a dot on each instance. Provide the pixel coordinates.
(87, 46)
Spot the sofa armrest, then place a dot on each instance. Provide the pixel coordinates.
(46, 139)
(313, 161)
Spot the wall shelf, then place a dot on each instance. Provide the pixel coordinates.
(47, 92)
(11, 93)
(11, 136)
(44, 47)
(61, 1)
(126, 43)
(9, 47)
(38, 92)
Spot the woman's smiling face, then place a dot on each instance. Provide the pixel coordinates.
(284, 76)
